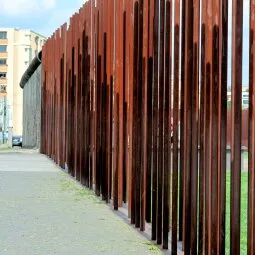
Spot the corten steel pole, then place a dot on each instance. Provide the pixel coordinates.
(59, 96)
(97, 99)
(237, 34)
(155, 120)
(104, 95)
(223, 120)
(55, 98)
(167, 103)
(80, 91)
(82, 98)
(65, 95)
(135, 217)
(119, 84)
(83, 121)
(75, 96)
(201, 232)
(149, 110)
(109, 99)
(125, 100)
(182, 59)
(56, 45)
(175, 123)
(139, 112)
(208, 137)
(82, 55)
(194, 125)
(52, 120)
(215, 170)
(144, 117)
(251, 145)
(94, 80)
(67, 61)
(42, 146)
(92, 75)
(187, 124)
(115, 109)
(71, 102)
(70, 61)
(89, 89)
(131, 206)
(160, 119)
(101, 134)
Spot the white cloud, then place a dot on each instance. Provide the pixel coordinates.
(21, 7)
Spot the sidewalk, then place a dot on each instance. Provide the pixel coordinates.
(44, 211)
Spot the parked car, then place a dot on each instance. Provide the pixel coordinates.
(17, 140)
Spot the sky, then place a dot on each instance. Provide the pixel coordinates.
(45, 16)
(41, 16)
(246, 50)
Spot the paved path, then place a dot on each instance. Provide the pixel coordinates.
(43, 211)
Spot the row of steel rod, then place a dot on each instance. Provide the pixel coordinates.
(134, 105)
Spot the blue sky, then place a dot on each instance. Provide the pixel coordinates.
(246, 50)
(44, 16)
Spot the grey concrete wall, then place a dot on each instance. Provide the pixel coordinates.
(32, 111)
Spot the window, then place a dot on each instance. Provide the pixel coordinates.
(3, 61)
(3, 75)
(3, 35)
(3, 48)
(245, 101)
(2, 88)
(36, 40)
(29, 36)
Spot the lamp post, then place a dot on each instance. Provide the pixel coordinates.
(3, 112)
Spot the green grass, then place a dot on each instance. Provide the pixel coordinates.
(245, 155)
(79, 191)
(244, 214)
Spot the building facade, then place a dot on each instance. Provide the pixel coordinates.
(17, 49)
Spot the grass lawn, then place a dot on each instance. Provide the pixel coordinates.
(245, 155)
(244, 214)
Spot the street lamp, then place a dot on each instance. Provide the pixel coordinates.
(3, 111)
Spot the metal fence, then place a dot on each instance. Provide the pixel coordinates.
(111, 81)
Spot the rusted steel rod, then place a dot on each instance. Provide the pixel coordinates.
(155, 120)
(175, 122)
(251, 187)
(236, 89)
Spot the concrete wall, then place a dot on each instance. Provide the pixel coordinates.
(32, 111)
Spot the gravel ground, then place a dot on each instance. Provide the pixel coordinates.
(44, 211)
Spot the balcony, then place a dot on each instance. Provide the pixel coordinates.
(3, 90)
(3, 54)
(3, 68)
(3, 81)
(4, 41)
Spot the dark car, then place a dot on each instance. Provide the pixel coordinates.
(17, 140)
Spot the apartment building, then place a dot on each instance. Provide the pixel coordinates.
(17, 48)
